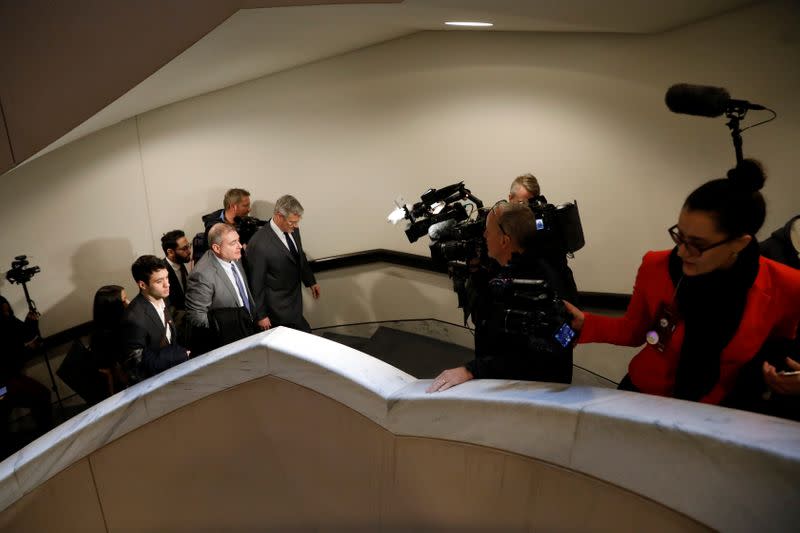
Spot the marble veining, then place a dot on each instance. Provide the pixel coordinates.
(728, 469)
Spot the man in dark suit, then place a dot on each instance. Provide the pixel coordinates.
(178, 254)
(276, 265)
(218, 300)
(149, 338)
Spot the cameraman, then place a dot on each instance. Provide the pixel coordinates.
(512, 241)
(235, 204)
(18, 340)
(235, 207)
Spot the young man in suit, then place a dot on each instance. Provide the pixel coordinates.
(218, 283)
(276, 265)
(149, 338)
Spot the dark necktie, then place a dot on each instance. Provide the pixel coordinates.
(183, 277)
(167, 339)
(292, 247)
(240, 286)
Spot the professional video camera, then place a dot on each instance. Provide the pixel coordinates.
(558, 227)
(530, 307)
(247, 226)
(19, 273)
(437, 209)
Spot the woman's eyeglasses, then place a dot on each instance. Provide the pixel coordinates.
(693, 250)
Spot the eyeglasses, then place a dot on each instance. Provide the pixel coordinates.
(693, 250)
(290, 223)
(183, 248)
(497, 216)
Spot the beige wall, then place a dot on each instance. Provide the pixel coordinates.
(303, 462)
(349, 134)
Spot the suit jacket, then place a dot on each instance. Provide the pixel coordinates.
(275, 276)
(145, 349)
(177, 298)
(771, 312)
(210, 288)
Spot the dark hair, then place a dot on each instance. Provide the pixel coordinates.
(735, 203)
(144, 267)
(169, 241)
(108, 307)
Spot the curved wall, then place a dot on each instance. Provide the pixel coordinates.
(349, 134)
(285, 430)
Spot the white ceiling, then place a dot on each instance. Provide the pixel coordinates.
(258, 42)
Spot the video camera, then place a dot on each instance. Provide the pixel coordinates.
(530, 307)
(247, 226)
(558, 227)
(19, 273)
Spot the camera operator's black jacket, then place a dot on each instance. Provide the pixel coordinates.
(14, 334)
(501, 355)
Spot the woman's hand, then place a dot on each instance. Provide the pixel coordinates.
(577, 316)
(783, 382)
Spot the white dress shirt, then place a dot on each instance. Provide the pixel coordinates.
(226, 266)
(159, 306)
(279, 232)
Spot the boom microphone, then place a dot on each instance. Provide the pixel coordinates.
(440, 229)
(704, 101)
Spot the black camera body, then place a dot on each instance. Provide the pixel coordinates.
(247, 226)
(558, 227)
(20, 272)
(530, 307)
(459, 241)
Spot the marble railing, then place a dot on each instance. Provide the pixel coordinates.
(723, 469)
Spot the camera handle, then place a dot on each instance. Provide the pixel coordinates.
(53, 386)
(736, 133)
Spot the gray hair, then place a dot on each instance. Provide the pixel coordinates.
(288, 205)
(527, 182)
(218, 231)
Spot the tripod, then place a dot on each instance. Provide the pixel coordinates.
(32, 309)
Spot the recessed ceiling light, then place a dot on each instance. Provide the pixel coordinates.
(473, 24)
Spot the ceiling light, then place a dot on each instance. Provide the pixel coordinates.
(472, 24)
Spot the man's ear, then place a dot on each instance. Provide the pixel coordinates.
(142, 285)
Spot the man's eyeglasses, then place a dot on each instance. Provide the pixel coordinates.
(497, 216)
(693, 250)
(183, 248)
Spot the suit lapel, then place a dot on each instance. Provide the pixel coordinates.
(151, 313)
(281, 244)
(226, 280)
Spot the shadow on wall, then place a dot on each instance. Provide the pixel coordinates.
(342, 300)
(95, 263)
(366, 294)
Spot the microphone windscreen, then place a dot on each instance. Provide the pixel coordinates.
(440, 229)
(699, 100)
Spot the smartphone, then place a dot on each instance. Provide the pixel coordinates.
(788, 372)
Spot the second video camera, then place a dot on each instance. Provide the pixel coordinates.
(530, 307)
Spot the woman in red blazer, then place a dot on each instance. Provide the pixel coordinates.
(705, 309)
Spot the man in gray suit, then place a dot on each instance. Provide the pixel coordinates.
(218, 282)
(276, 265)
